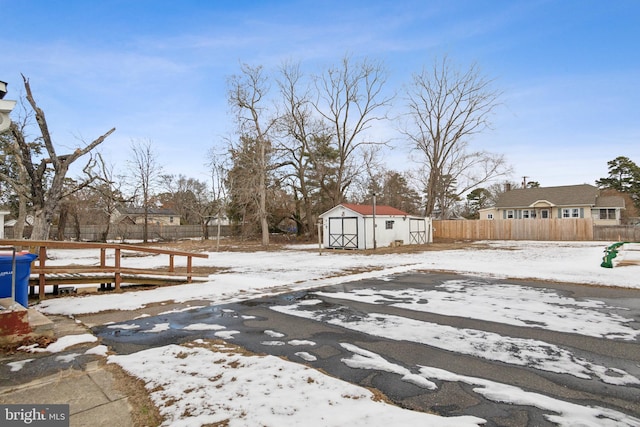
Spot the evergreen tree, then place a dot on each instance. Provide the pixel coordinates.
(624, 176)
(477, 199)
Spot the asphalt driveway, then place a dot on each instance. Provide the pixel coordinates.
(567, 344)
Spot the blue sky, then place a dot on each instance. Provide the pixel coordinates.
(157, 70)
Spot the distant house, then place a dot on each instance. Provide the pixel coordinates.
(156, 216)
(215, 220)
(350, 226)
(2, 215)
(569, 201)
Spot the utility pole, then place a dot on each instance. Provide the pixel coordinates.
(524, 181)
(320, 235)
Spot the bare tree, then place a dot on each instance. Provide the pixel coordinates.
(46, 179)
(446, 108)
(190, 198)
(299, 134)
(219, 169)
(109, 191)
(146, 172)
(370, 178)
(246, 95)
(350, 100)
(178, 193)
(70, 208)
(464, 172)
(13, 172)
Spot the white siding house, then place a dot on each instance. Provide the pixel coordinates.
(349, 226)
(154, 216)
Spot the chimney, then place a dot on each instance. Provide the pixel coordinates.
(507, 186)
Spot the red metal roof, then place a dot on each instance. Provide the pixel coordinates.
(368, 209)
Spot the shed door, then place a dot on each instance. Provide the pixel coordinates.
(343, 232)
(417, 232)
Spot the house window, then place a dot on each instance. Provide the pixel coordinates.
(571, 213)
(489, 216)
(525, 214)
(509, 214)
(544, 213)
(607, 214)
(388, 225)
(171, 219)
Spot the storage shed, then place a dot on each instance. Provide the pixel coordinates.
(351, 226)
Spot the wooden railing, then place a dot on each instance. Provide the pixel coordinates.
(99, 273)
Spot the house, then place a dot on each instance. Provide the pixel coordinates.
(214, 221)
(136, 216)
(10, 226)
(2, 215)
(569, 201)
(351, 226)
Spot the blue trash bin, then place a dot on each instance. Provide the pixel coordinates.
(23, 271)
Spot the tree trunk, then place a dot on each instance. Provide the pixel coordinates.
(105, 234)
(18, 229)
(311, 220)
(205, 228)
(62, 221)
(218, 236)
(76, 228)
(263, 193)
(145, 227)
(431, 191)
(264, 224)
(41, 224)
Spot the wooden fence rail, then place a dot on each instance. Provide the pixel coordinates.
(540, 229)
(617, 233)
(102, 273)
(552, 229)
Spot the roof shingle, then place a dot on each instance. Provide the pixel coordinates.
(368, 209)
(568, 195)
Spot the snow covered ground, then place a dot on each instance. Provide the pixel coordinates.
(206, 382)
(255, 274)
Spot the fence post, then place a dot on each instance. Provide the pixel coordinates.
(117, 277)
(42, 257)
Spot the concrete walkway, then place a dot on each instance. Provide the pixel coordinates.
(69, 377)
(92, 398)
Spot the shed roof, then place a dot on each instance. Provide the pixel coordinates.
(368, 209)
(568, 195)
